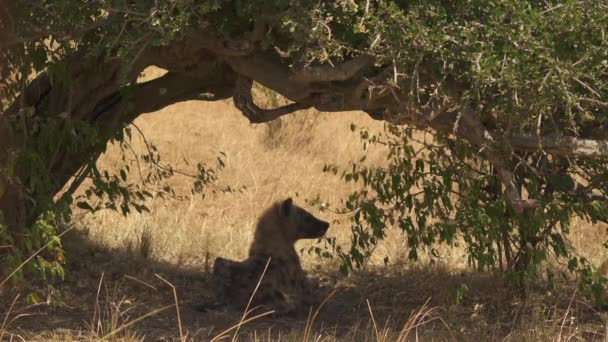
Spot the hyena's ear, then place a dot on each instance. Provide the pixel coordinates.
(286, 206)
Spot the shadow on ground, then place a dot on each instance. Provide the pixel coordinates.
(107, 290)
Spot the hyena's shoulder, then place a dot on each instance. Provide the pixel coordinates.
(236, 280)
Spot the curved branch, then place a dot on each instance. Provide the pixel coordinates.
(328, 73)
(164, 91)
(121, 108)
(479, 135)
(243, 100)
(269, 70)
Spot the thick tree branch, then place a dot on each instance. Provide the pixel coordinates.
(337, 89)
(267, 69)
(121, 108)
(334, 94)
(561, 146)
(340, 72)
(564, 146)
(163, 91)
(243, 100)
(33, 92)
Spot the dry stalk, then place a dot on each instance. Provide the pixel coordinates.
(137, 320)
(255, 290)
(311, 319)
(5, 323)
(179, 320)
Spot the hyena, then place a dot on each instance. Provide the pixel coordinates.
(284, 286)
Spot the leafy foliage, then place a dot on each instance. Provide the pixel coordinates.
(49, 134)
(531, 68)
(438, 190)
(520, 63)
(141, 178)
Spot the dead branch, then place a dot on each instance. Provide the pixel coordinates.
(561, 146)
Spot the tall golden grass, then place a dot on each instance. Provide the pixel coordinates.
(271, 162)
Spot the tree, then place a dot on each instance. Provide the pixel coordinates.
(522, 84)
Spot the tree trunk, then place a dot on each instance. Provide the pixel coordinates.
(98, 94)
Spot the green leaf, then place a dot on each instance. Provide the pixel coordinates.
(33, 298)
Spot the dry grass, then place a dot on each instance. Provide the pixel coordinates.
(178, 241)
(392, 304)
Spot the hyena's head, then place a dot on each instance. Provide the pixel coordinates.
(300, 223)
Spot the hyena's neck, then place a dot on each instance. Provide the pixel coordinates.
(277, 252)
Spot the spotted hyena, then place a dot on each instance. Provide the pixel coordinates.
(284, 286)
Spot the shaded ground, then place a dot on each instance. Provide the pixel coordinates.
(108, 289)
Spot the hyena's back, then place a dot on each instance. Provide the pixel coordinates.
(236, 282)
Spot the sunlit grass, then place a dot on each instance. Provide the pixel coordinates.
(192, 232)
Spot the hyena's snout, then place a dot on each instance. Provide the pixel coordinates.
(318, 229)
(324, 227)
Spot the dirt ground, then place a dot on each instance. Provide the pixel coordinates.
(108, 290)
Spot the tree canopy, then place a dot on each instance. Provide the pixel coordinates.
(514, 92)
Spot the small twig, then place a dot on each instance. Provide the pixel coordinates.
(157, 164)
(586, 86)
(136, 158)
(255, 290)
(552, 8)
(141, 282)
(97, 309)
(559, 338)
(8, 313)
